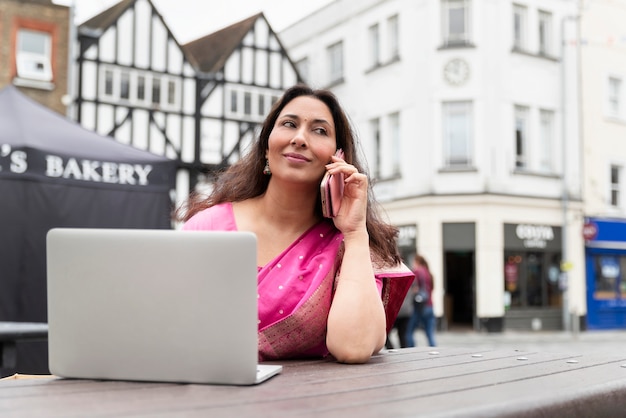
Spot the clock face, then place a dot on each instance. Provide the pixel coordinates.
(456, 71)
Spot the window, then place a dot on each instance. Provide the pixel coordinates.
(375, 132)
(393, 31)
(233, 101)
(519, 27)
(34, 56)
(610, 277)
(141, 87)
(615, 92)
(108, 82)
(547, 141)
(261, 105)
(171, 92)
(545, 33)
(124, 85)
(521, 137)
(247, 103)
(616, 174)
(531, 278)
(374, 41)
(455, 21)
(394, 146)
(156, 90)
(457, 134)
(335, 59)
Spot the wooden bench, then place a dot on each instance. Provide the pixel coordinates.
(442, 382)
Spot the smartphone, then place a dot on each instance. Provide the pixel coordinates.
(331, 190)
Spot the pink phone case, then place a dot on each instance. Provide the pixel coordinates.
(331, 190)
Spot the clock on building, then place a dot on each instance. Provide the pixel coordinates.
(456, 71)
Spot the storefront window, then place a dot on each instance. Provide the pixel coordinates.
(531, 279)
(610, 282)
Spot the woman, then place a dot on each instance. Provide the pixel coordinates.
(423, 311)
(320, 280)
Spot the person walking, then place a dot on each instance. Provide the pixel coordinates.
(423, 314)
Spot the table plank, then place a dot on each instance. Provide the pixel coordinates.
(419, 381)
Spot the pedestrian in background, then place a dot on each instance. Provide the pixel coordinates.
(423, 314)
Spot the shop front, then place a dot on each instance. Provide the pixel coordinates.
(605, 262)
(532, 277)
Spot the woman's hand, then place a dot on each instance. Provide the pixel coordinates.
(352, 213)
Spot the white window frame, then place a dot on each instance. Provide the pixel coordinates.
(395, 143)
(247, 103)
(616, 179)
(393, 33)
(520, 27)
(547, 139)
(521, 137)
(458, 134)
(335, 62)
(544, 34)
(106, 81)
(448, 13)
(166, 101)
(125, 77)
(374, 125)
(615, 86)
(26, 59)
(373, 34)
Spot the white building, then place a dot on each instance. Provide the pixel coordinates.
(467, 111)
(603, 81)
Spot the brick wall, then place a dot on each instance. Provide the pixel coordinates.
(40, 15)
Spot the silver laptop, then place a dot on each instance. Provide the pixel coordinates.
(154, 305)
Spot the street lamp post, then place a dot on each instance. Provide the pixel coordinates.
(565, 264)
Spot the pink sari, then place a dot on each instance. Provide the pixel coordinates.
(296, 288)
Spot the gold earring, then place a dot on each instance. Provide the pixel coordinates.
(266, 169)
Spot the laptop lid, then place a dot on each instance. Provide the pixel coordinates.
(153, 305)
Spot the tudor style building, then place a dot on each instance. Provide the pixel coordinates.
(199, 103)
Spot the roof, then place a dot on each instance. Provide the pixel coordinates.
(209, 53)
(100, 22)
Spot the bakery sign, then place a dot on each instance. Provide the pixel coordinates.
(19, 162)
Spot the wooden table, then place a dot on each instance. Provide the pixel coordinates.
(442, 382)
(12, 332)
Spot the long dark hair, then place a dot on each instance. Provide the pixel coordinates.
(245, 179)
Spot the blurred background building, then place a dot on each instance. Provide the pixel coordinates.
(494, 132)
(493, 129)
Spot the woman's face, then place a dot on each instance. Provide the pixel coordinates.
(302, 140)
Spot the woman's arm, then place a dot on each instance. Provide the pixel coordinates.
(356, 322)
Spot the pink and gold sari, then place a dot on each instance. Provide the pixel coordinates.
(296, 288)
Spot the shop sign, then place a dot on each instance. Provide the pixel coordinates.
(590, 231)
(407, 236)
(534, 236)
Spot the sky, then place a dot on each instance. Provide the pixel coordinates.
(192, 19)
